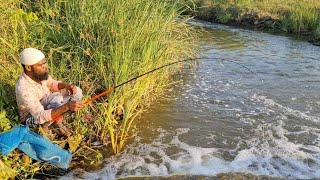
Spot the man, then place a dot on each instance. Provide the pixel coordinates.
(40, 98)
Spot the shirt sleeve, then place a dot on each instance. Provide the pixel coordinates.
(53, 84)
(35, 108)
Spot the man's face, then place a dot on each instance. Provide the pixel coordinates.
(40, 70)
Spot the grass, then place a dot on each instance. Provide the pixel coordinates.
(96, 44)
(296, 16)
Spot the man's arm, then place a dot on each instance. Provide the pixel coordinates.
(55, 86)
(31, 104)
(41, 115)
(69, 106)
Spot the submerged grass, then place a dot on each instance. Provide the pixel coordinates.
(96, 44)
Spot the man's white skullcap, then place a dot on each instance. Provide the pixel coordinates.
(31, 56)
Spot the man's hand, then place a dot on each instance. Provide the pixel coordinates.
(72, 89)
(69, 106)
(75, 105)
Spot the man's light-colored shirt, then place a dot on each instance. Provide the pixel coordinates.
(32, 96)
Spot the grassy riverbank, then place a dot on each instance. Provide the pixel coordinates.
(293, 16)
(96, 44)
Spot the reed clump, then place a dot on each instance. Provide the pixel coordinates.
(96, 44)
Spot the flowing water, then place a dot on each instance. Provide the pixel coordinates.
(252, 106)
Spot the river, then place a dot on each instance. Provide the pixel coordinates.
(252, 106)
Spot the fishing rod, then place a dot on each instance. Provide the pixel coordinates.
(126, 82)
(148, 72)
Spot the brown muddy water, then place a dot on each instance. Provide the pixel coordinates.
(255, 109)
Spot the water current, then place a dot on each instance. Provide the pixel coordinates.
(253, 107)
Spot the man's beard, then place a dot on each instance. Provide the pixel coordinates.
(40, 77)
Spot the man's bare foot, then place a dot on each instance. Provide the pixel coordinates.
(62, 131)
(45, 131)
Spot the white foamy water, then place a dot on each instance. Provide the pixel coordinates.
(268, 153)
(286, 110)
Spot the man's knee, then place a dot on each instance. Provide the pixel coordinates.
(78, 95)
(55, 101)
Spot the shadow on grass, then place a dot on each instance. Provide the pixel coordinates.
(8, 101)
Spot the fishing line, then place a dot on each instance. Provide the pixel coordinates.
(220, 59)
(148, 72)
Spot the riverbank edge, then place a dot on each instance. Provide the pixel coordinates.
(251, 19)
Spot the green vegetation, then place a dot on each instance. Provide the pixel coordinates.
(96, 44)
(296, 16)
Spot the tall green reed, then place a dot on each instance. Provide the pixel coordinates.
(101, 43)
(303, 17)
